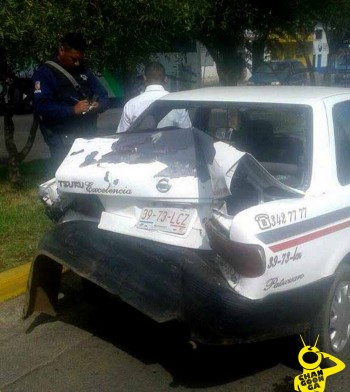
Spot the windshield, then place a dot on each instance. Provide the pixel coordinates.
(277, 135)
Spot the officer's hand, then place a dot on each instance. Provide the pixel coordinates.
(94, 106)
(81, 107)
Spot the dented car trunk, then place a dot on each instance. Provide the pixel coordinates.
(165, 182)
(143, 213)
(185, 224)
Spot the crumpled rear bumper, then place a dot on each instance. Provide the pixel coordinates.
(166, 282)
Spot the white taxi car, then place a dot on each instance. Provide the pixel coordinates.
(238, 226)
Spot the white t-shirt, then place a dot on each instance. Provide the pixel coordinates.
(137, 105)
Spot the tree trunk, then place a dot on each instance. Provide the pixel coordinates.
(13, 162)
(305, 52)
(311, 71)
(31, 137)
(327, 77)
(258, 52)
(334, 40)
(16, 157)
(229, 59)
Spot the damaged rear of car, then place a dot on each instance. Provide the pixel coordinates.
(190, 224)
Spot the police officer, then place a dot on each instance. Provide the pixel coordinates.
(67, 111)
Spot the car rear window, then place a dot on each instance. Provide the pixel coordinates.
(277, 135)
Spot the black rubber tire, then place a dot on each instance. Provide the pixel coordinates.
(322, 327)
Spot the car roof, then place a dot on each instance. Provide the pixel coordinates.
(259, 94)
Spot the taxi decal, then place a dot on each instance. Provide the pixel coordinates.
(300, 230)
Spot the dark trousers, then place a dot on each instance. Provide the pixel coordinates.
(58, 153)
(59, 146)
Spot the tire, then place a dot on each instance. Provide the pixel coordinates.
(332, 324)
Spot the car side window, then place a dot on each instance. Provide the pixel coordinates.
(341, 120)
(165, 118)
(176, 118)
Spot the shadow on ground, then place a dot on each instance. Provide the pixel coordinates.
(167, 344)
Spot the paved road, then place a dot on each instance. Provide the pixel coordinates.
(107, 123)
(110, 347)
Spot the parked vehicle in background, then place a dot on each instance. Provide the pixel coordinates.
(280, 72)
(237, 227)
(342, 69)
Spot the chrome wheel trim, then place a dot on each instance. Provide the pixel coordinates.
(339, 322)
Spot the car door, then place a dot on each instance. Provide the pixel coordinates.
(337, 196)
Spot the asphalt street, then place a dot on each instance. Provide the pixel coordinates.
(107, 346)
(116, 349)
(107, 124)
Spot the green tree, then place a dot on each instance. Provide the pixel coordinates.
(21, 22)
(297, 19)
(222, 27)
(302, 17)
(334, 15)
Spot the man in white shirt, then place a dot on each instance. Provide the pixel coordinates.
(155, 78)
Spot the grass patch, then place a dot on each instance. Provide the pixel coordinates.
(22, 218)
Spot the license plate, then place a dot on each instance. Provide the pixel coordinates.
(170, 220)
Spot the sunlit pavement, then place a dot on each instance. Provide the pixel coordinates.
(108, 346)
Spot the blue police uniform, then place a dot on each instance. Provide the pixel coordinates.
(54, 100)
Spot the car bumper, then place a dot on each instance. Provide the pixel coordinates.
(166, 282)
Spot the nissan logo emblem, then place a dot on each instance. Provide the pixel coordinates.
(163, 185)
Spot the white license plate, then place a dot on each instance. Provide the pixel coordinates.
(170, 220)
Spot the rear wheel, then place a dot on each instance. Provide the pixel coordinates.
(332, 324)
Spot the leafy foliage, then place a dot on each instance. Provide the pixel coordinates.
(122, 33)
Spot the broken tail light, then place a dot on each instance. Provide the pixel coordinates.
(246, 259)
